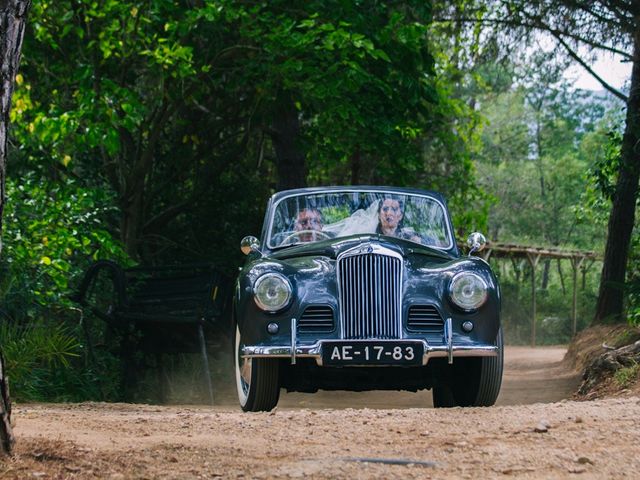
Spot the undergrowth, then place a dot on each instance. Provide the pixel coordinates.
(627, 376)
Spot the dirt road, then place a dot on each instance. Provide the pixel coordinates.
(329, 435)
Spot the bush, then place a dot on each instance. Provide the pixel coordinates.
(53, 230)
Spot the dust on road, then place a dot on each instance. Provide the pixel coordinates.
(341, 435)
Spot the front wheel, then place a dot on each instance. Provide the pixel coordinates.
(471, 382)
(256, 380)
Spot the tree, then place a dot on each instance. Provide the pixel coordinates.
(167, 104)
(335, 81)
(608, 25)
(578, 25)
(13, 16)
(135, 111)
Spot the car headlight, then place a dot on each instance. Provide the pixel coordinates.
(272, 292)
(468, 291)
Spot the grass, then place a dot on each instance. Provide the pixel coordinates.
(627, 337)
(625, 377)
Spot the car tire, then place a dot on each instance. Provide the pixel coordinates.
(443, 397)
(490, 379)
(471, 382)
(257, 380)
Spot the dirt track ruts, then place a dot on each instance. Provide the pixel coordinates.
(342, 435)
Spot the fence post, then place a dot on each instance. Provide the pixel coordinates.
(576, 262)
(533, 261)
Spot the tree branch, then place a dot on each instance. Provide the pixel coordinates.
(584, 65)
(578, 38)
(587, 8)
(619, 10)
(158, 222)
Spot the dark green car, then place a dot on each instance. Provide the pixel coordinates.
(364, 288)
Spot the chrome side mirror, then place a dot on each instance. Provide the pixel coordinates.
(249, 244)
(476, 242)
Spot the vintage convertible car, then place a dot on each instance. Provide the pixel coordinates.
(364, 288)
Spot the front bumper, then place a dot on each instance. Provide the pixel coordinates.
(315, 351)
(294, 350)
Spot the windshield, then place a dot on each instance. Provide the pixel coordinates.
(320, 216)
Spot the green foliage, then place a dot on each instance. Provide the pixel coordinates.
(625, 338)
(533, 156)
(32, 353)
(147, 127)
(362, 81)
(633, 276)
(28, 346)
(117, 50)
(596, 200)
(163, 104)
(540, 138)
(627, 376)
(46, 361)
(53, 230)
(553, 304)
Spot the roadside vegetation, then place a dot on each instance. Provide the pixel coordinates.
(154, 132)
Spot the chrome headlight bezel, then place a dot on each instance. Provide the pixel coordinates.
(458, 298)
(261, 300)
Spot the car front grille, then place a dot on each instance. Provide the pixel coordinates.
(370, 286)
(425, 318)
(316, 318)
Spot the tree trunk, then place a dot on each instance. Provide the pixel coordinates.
(561, 275)
(290, 160)
(6, 435)
(545, 274)
(13, 17)
(621, 220)
(131, 220)
(355, 167)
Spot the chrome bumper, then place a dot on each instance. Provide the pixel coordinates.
(315, 351)
(446, 349)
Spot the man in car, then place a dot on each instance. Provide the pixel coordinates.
(308, 222)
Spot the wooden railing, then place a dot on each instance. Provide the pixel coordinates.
(579, 260)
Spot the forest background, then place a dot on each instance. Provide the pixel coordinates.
(154, 132)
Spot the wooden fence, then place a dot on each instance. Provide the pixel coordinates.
(579, 260)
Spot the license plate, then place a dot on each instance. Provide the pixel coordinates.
(372, 353)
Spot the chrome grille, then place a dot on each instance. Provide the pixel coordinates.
(370, 286)
(316, 318)
(425, 318)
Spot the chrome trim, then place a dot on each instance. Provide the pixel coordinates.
(293, 341)
(476, 243)
(424, 318)
(380, 269)
(273, 208)
(448, 338)
(315, 350)
(250, 244)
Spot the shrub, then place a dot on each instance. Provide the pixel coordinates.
(53, 230)
(627, 376)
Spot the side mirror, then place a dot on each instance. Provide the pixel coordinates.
(249, 244)
(476, 242)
